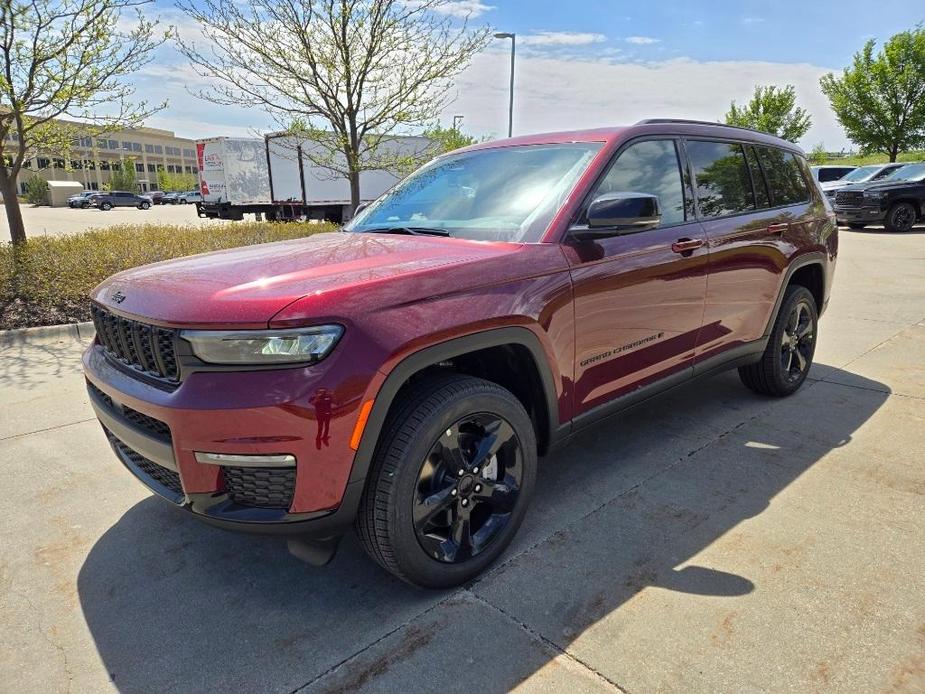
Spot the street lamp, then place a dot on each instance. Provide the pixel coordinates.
(456, 121)
(510, 114)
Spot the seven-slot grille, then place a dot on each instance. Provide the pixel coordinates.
(849, 198)
(146, 348)
(264, 487)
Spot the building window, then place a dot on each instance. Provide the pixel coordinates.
(195, 169)
(102, 144)
(189, 169)
(104, 165)
(152, 168)
(149, 149)
(189, 153)
(89, 164)
(44, 162)
(136, 146)
(22, 188)
(140, 168)
(113, 144)
(158, 149)
(94, 185)
(86, 142)
(76, 164)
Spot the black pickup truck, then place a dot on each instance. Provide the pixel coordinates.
(897, 202)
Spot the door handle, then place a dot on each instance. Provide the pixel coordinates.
(686, 245)
(778, 228)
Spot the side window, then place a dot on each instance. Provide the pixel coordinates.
(883, 174)
(762, 197)
(651, 167)
(788, 186)
(721, 175)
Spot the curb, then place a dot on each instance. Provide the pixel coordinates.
(48, 334)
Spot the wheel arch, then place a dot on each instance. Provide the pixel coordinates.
(806, 269)
(537, 394)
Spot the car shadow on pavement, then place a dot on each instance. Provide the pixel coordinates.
(176, 605)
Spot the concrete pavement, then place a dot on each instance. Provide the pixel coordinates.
(712, 540)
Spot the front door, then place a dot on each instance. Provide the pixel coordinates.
(639, 296)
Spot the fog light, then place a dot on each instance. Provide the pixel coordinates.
(237, 460)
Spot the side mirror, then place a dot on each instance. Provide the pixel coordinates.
(620, 213)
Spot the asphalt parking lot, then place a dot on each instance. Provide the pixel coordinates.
(57, 221)
(712, 540)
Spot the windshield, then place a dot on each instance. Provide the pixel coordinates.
(501, 194)
(861, 174)
(910, 172)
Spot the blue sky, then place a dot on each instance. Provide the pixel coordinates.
(588, 63)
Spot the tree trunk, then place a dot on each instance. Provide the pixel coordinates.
(354, 192)
(11, 203)
(893, 152)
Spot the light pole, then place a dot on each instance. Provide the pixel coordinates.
(456, 121)
(510, 113)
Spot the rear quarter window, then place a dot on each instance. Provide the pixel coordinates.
(785, 177)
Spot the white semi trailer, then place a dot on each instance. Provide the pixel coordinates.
(278, 178)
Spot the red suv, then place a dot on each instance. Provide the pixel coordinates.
(402, 376)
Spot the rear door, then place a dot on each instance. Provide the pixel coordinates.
(638, 296)
(751, 200)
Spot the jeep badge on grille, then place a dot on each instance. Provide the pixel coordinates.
(118, 297)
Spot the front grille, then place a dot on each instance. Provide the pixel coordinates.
(146, 423)
(158, 473)
(264, 487)
(155, 427)
(849, 198)
(149, 349)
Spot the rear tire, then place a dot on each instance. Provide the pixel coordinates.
(144, 206)
(421, 519)
(900, 218)
(105, 206)
(789, 354)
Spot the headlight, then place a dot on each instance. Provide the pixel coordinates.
(283, 346)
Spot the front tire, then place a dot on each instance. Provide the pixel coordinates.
(900, 217)
(105, 206)
(450, 481)
(789, 355)
(144, 206)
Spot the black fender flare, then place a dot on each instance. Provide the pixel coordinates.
(415, 362)
(801, 261)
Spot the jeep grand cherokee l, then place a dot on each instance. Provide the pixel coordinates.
(401, 376)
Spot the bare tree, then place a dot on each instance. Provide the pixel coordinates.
(349, 74)
(65, 58)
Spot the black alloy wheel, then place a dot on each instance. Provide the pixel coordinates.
(468, 487)
(797, 342)
(901, 217)
(788, 355)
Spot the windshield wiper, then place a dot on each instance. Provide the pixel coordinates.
(412, 231)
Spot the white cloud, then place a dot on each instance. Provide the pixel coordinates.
(642, 40)
(561, 94)
(561, 38)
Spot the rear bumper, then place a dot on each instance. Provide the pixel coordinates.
(156, 434)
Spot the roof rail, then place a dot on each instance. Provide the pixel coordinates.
(653, 121)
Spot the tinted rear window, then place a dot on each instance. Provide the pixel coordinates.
(762, 197)
(721, 174)
(785, 179)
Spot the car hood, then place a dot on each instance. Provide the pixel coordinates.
(880, 185)
(246, 287)
(836, 185)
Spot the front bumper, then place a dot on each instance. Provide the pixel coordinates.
(854, 215)
(156, 433)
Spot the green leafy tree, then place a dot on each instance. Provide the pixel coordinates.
(348, 74)
(880, 99)
(175, 182)
(818, 154)
(65, 58)
(36, 189)
(772, 110)
(124, 177)
(447, 139)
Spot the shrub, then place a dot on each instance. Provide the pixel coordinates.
(47, 279)
(36, 189)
